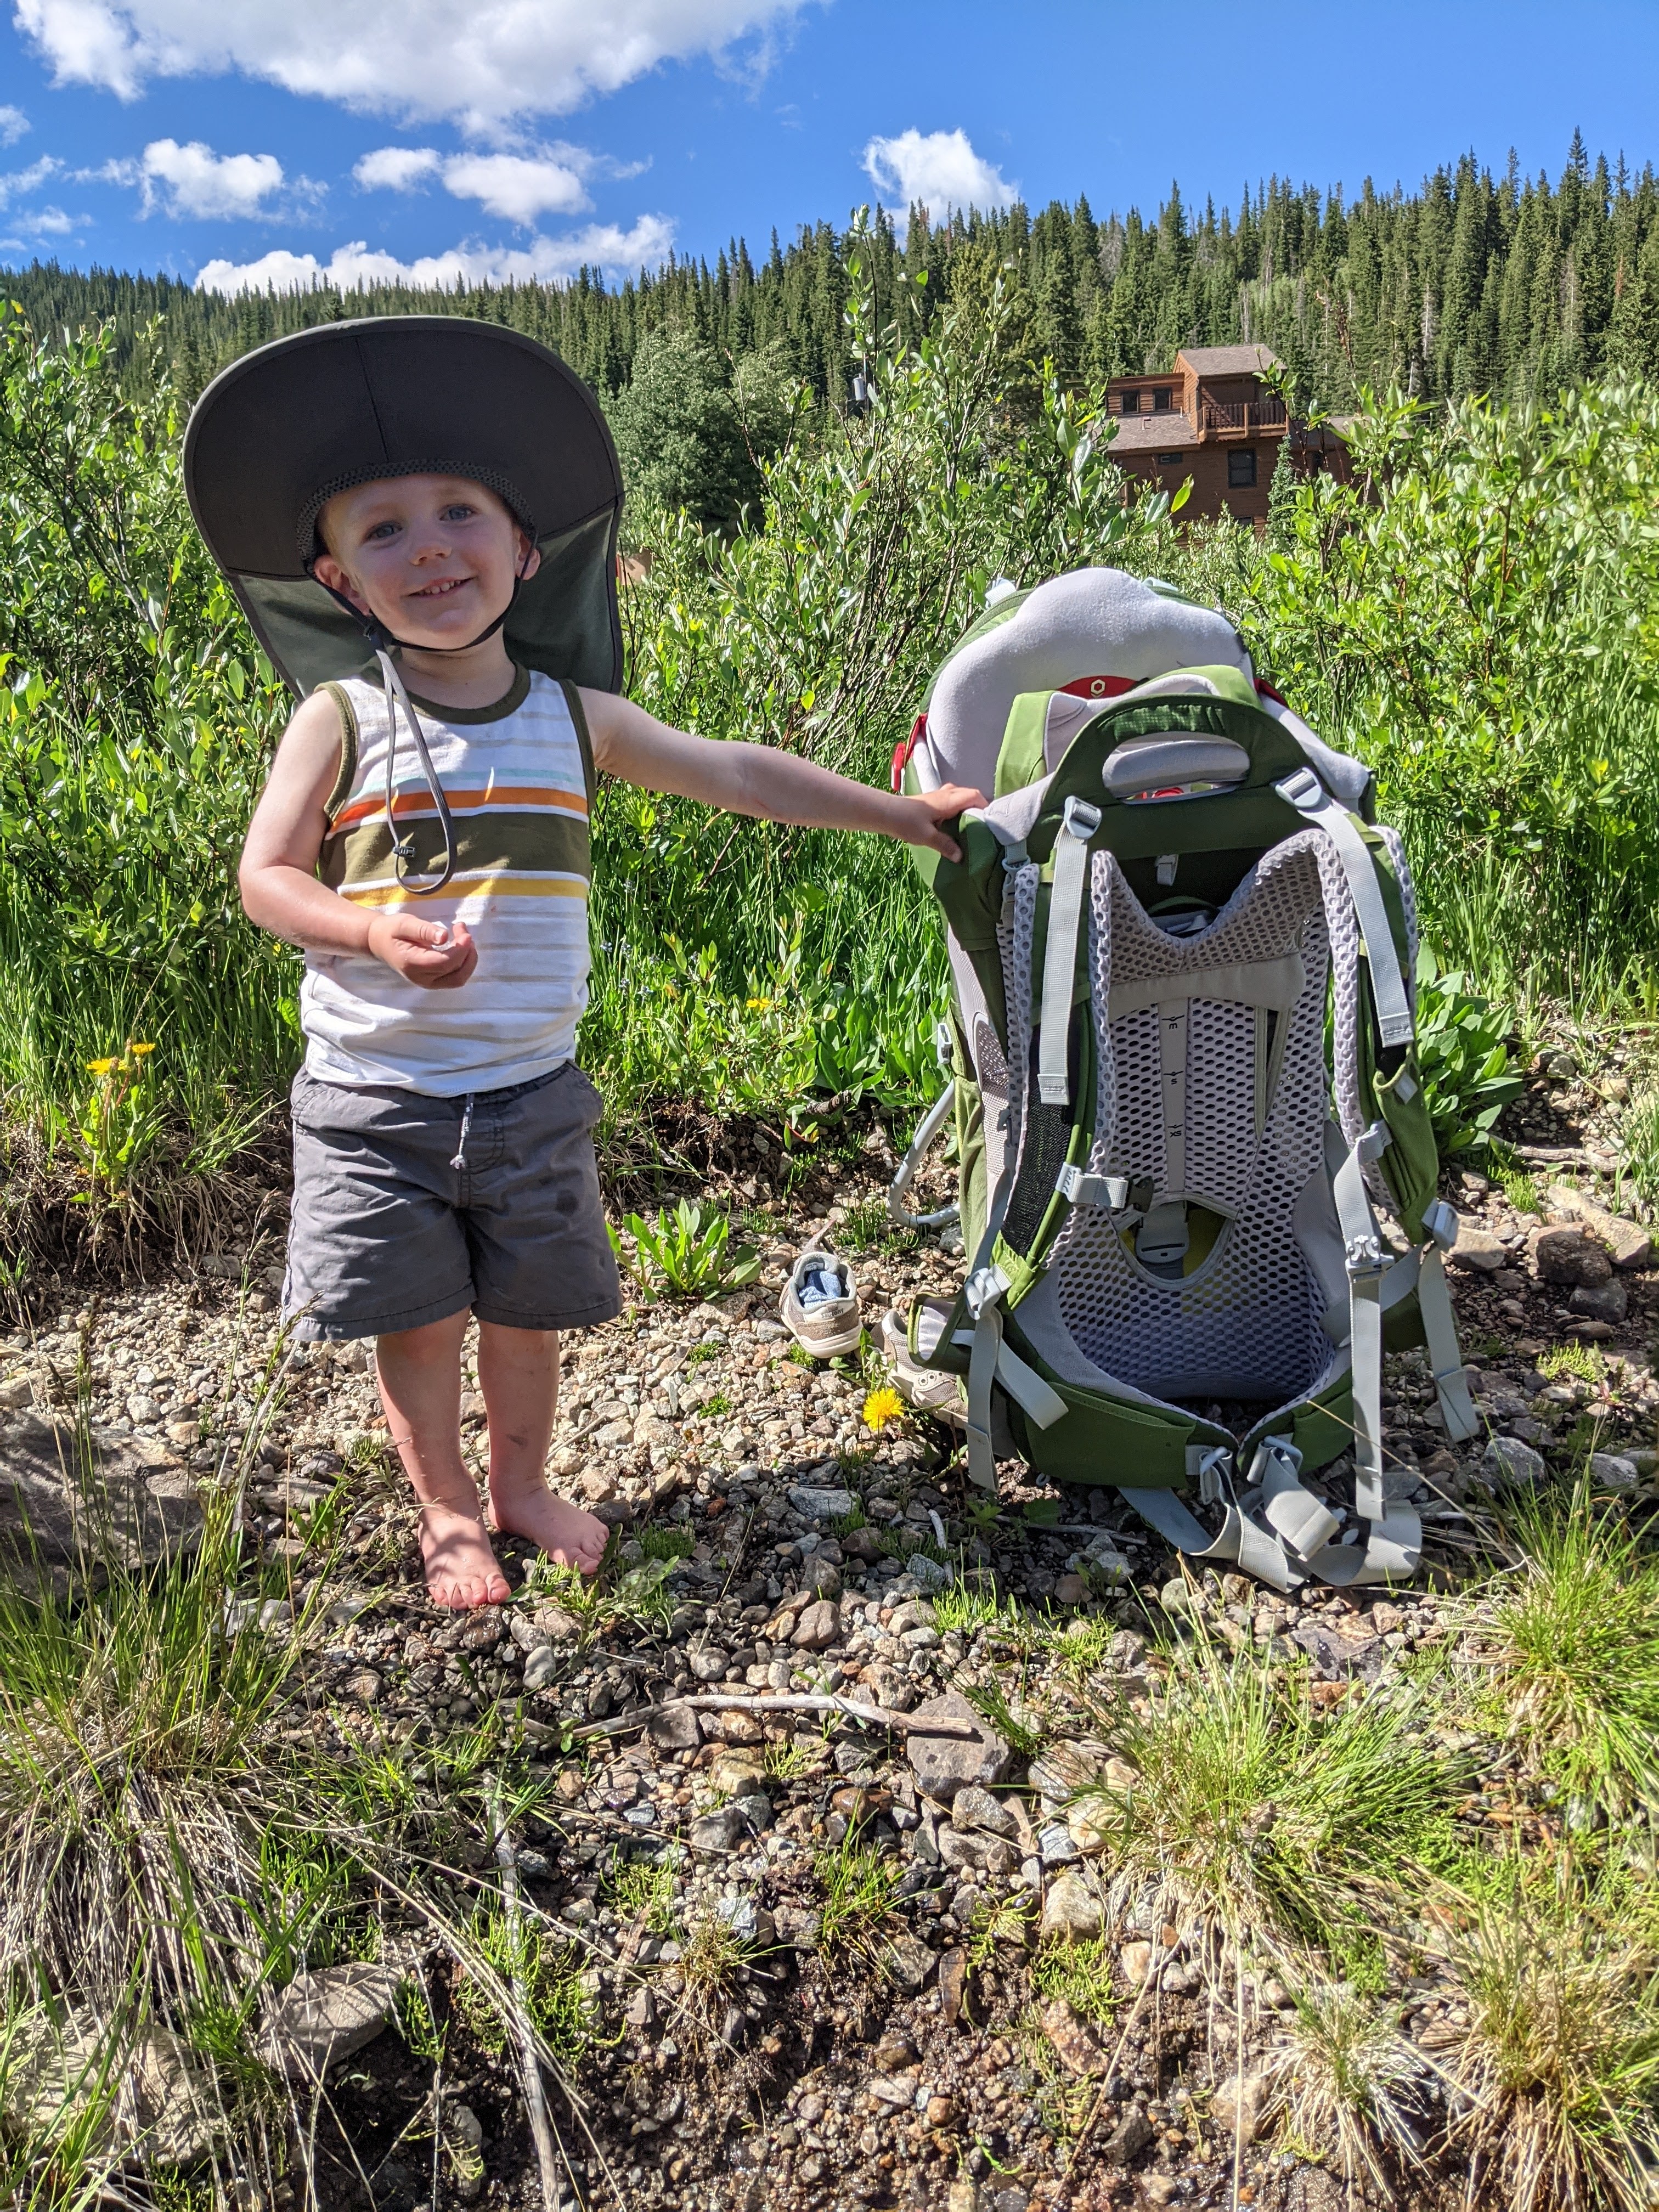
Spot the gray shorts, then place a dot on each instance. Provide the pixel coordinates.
(388, 1234)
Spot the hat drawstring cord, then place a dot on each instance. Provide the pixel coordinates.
(403, 848)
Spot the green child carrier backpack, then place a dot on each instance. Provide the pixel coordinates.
(1176, 1283)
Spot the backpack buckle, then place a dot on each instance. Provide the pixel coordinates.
(1440, 1219)
(1081, 818)
(983, 1289)
(1364, 1258)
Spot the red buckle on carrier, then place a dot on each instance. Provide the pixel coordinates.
(1099, 687)
(905, 747)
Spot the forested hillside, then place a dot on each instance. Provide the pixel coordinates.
(1508, 284)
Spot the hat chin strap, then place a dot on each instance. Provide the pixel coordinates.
(396, 694)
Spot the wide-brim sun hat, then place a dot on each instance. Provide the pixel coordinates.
(282, 429)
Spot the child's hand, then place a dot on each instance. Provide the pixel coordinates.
(927, 809)
(423, 952)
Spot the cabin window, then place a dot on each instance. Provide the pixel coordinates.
(1170, 460)
(1130, 403)
(1241, 470)
(1160, 403)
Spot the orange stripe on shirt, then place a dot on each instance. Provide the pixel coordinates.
(510, 796)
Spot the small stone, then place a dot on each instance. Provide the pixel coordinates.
(1476, 1247)
(1628, 1244)
(1161, 2188)
(1137, 1962)
(182, 1432)
(16, 1392)
(940, 2112)
(960, 1849)
(977, 1808)
(1073, 2039)
(1055, 1843)
(363, 1687)
(708, 1665)
(815, 1504)
(1567, 1255)
(718, 1831)
(928, 1574)
(557, 1625)
(1507, 1460)
(141, 1410)
(1128, 2139)
(1070, 1910)
(909, 1962)
(952, 1985)
(1613, 1471)
(673, 1727)
(1070, 1589)
(328, 2015)
(818, 1628)
(596, 1486)
(541, 1666)
(1385, 1618)
(1236, 2107)
(964, 2197)
(943, 1764)
(863, 1545)
(821, 1576)
(1083, 1827)
(1604, 1301)
(1176, 1596)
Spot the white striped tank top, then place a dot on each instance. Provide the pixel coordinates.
(519, 778)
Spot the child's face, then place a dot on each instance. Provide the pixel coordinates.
(433, 558)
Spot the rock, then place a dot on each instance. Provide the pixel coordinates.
(862, 1544)
(1083, 1825)
(823, 1576)
(182, 1432)
(1056, 1844)
(952, 1985)
(557, 1625)
(464, 2140)
(896, 2089)
(16, 1392)
(541, 1666)
(1507, 1461)
(940, 2112)
(1136, 1959)
(673, 1727)
(162, 2105)
(815, 1504)
(1161, 2188)
(59, 1520)
(1128, 2139)
(718, 1831)
(708, 1665)
(943, 1764)
(325, 2016)
(915, 1613)
(1073, 2039)
(1567, 1255)
(964, 2197)
(1613, 1471)
(1070, 1910)
(1628, 1244)
(958, 1848)
(363, 1687)
(1061, 1768)
(755, 1809)
(818, 1628)
(1609, 1302)
(909, 1962)
(1476, 1247)
(1236, 2107)
(1071, 1589)
(976, 1808)
(928, 1574)
(1176, 1596)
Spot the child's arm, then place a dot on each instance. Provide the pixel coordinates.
(761, 780)
(278, 873)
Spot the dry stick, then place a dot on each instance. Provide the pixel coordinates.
(794, 1702)
(529, 2065)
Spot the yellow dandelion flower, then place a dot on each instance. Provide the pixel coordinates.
(100, 1066)
(881, 1406)
(139, 1050)
(759, 1005)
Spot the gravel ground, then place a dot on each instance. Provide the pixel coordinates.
(752, 2051)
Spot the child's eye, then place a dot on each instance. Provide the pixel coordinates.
(459, 512)
(381, 530)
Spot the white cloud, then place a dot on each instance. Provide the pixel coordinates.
(548, 259)
(397, 169)
(417, 58)
(18, 183)
(514, 188)
(938, 169)
(13, 124)
(39, 223)
(194, 180)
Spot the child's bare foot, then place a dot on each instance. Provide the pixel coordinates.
(569, 1537)
(461, 1570)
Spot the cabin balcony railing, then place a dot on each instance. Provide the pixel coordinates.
(1237, 419)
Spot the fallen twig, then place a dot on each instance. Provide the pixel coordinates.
(524, 2034)
(803, 1701)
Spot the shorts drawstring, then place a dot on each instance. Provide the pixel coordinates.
(459, 1161)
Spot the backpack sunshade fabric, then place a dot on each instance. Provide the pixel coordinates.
(1177, 1283)
(398, 395)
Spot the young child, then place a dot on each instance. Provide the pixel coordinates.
(443, 1157)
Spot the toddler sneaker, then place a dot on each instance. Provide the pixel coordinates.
(928, 1389)
(820, 1305)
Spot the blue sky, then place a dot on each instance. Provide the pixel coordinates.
(226, 140)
